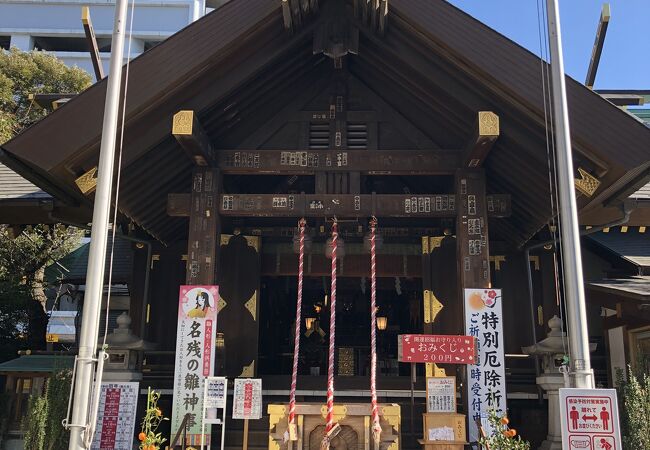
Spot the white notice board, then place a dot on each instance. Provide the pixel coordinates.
(116, 416)
(590, 419)
(247, 398)
(441, 394)
(215, 393)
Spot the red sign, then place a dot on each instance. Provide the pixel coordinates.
(442, 349)
(111, 415)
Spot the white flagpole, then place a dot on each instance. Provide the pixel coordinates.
(83, 382)
(581, 373)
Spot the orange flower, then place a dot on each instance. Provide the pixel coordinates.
(151, 447)
(158, 412)
(504, 420)
(513, 432)
(142, 437)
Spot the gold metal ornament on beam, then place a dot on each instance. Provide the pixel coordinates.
(488, 124)
(182, 122)
(251, 305)
(587, 184)
(248, 371)
(87, 182)
(432, 306)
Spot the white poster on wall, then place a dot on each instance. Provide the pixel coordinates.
(116, 416)
(197, 325)
(247, 398)
(441, 394)
(486, 380)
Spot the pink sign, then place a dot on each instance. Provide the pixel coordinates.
(197, 323)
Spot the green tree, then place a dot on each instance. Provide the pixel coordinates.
(23, 258)
(24, 73)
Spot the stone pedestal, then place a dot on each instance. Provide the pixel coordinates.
(551, 383)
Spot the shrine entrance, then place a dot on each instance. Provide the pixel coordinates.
(400, 305)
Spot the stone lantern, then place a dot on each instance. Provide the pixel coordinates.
(124, 352)
(552, 350)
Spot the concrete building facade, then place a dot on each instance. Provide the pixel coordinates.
(55, 26)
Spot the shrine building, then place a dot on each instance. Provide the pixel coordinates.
(265, 112)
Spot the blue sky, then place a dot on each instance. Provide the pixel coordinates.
(625, 62)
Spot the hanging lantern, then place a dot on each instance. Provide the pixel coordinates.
(309, 322)
(340, 248)
(379, 240)
(382, 323)
(296, 242)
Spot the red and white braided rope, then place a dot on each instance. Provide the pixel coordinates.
(376, 427)
(330, 365)
(296, 341)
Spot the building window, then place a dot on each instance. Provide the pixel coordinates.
(69, 44)
(5, 42)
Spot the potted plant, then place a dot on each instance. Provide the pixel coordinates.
(502, 436)
(149, 439)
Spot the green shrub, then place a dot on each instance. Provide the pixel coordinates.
(42, 424)
(634, 399)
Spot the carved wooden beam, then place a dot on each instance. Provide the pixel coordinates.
(190, 135)
(597, 49)
(383, 17)
(340, 205)
(92, 42)
(307, 162)
(485, 135)
(286, 15)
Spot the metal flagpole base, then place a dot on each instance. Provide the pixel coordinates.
(583, 379)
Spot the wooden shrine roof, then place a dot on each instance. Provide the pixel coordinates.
(436, 66)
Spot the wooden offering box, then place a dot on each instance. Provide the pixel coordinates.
(456, 422)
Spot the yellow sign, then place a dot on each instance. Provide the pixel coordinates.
(51, 337)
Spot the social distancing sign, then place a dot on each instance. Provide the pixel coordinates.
(590, 419)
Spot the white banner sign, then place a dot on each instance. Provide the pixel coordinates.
(197, 324)
(590, 419)
(215, 392)
(116, 416)
(441, 395)
(247, 398)
(486, 381)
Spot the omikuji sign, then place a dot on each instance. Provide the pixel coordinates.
(197, 324)
(431, 348)
(486, 380)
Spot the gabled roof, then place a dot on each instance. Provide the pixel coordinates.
(72, 268)
(436, 67)
(632, 246)
(37, 363)
(15, 187)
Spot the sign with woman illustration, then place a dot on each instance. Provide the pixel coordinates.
(197, 325)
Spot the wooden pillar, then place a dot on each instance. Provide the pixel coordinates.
(204, 227)
(472, 230)
(472, 244)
